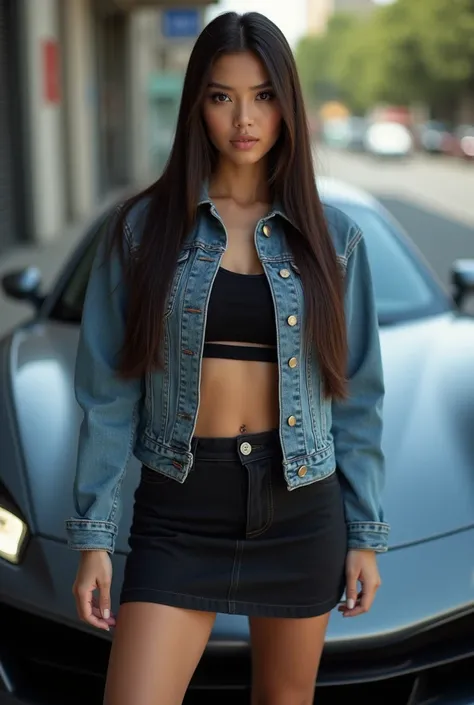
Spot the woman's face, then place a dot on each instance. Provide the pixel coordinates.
(240, 110)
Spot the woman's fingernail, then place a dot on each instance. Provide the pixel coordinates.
(106, 614)
(350, 604)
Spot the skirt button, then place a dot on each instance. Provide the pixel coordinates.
(245, 448)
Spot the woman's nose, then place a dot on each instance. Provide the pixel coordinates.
(243, 117)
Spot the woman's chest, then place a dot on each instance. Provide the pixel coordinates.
(240, 225)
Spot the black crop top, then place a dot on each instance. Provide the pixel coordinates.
(240, 310)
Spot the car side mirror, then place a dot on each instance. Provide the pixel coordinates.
(462, 278)
(24, 285)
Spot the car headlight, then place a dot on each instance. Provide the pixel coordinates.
(13, 532)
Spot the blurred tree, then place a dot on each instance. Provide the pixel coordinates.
(315, 58)
(405, 52)
(391, 64)
(393, 67)
(446, 36)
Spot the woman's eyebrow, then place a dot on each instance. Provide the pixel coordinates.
(223, 87)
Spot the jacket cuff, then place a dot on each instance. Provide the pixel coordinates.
(368, 536)
(89, 535)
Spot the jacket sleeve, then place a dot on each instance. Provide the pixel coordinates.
(357, 421)
(109, 405)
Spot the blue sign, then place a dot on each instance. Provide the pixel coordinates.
(181, 23)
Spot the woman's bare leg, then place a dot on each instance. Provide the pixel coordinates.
(285, 659)
(154, 654)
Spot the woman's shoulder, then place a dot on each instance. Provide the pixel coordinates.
(135, 213)
(122, 225)
(344, 231)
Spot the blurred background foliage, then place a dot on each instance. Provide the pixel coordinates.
(411, 51)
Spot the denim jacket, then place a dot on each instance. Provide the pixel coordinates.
(154, 418)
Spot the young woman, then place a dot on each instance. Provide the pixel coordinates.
(230, 341)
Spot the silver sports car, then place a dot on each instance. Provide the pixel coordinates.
(416, 646)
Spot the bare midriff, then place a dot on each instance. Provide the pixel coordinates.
(237, 396)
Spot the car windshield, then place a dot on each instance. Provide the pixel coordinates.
(403, 288)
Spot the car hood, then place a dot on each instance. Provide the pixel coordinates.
(428, 434)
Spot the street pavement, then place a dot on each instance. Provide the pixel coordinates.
(433, 198)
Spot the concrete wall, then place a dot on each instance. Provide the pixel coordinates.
(143, 26)
(80, 91)
(45, 126)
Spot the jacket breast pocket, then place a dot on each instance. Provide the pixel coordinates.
(176, 281)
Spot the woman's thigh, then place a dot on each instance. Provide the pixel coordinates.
(154, 654)
(285, 658)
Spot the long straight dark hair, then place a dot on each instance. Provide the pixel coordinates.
(173, 199)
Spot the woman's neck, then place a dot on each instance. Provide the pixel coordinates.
(244, 185)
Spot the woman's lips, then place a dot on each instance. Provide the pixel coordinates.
(244, 143)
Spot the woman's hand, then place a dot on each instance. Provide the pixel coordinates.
(94, 573)
(361, 566)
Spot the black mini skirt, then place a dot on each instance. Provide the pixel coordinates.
(233, 539)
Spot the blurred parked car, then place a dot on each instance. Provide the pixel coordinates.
(463, 145)
(389, 139)
(414, 647)
(357, 130)
(345, 133)
(335, 132)
(434, 137)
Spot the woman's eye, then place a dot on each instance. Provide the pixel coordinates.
(219, 97)
(265, 96)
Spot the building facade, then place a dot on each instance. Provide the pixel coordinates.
(319, 12)
(11, 186)
(77, 114)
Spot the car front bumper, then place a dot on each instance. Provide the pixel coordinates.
(416, 642)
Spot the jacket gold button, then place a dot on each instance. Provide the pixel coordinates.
(292, 320)
(267, 230)
(284, 273)
(291, 421)
(292, 362)
(302, 471)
